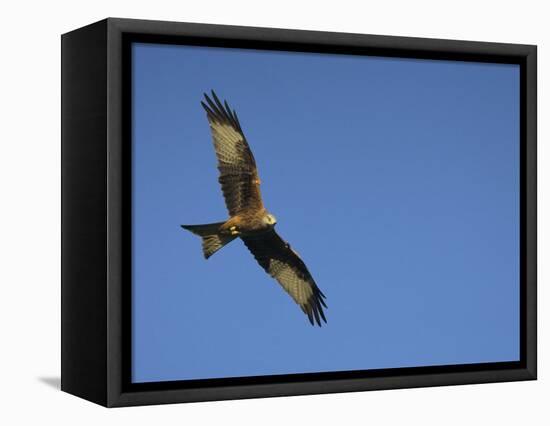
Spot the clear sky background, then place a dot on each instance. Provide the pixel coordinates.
(397, 180)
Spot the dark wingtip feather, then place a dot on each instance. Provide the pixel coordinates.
(231, 115)
(212, 105)
(320, 309)
(217, 110)
(238, 123)
(317, 303)
(316, 313)
(208, 101)
(209, 112)
(217, 100)
(309, 316)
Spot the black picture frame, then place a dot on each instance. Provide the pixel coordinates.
(96, 224)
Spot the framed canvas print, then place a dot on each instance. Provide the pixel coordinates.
(252, 212)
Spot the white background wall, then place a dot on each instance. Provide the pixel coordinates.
(30, 194)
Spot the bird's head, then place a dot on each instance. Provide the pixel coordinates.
(270, 220)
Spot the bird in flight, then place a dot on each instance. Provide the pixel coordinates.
(248, 218)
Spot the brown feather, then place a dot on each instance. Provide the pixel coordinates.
(238, 173)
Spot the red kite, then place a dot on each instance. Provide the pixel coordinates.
(248, 218)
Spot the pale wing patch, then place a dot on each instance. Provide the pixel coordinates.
(230, 146)
(298, 288)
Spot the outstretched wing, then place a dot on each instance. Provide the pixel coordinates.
(238, 174)
(282, 263)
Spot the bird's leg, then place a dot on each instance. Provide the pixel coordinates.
(234, 230)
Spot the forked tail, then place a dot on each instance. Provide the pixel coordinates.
(212, 239)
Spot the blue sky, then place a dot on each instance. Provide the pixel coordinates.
(397, 180)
